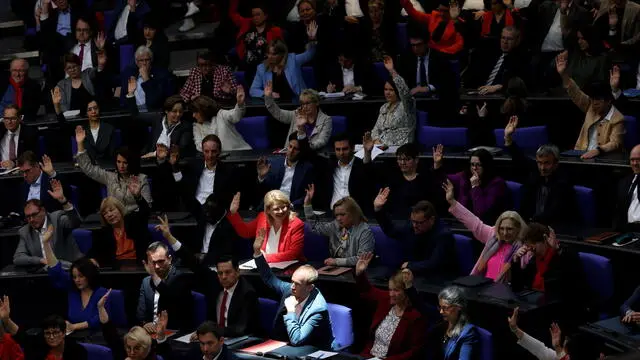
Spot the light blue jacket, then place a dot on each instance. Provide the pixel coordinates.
(292, 70)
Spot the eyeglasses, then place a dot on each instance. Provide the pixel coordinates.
(71, 67)
(26, 171)
(92, 108)
(404, 159)
(11, 118)
(52, 333)
(19, 71)
(476, 164)
(446, 307)
(83, 30)
(32, 215)
(144, 60)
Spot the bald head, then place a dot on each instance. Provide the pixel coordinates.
(19, 69)
(634, 159)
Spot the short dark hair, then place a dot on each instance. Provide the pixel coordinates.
(342, 136)
(154, 246)
(172, 101)
(71, 58)
(410, 150)
(214, 138)
(14, 107)
(133, 159)
(86, 19)
(258, 4)
(206, 55)
(209, 327)
(293, 136)
(536, 233)
(89, 270)
(425, 207)
(227, 258)
(36, 202)
(152, 21)
(205, 106)
(28, 157)
(599, 91)
(54, 322)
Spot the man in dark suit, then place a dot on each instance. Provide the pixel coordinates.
(291, 175)
(627, 215)
(166, 288)
(21, 90)
(303, 315)
(128, 22)
(349, 75)
(15, 138)
(211, 344)
(153, 84)
(232, 302)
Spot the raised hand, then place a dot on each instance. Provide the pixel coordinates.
(46, 165)
(56, 191)
(407, 278)
(561, 62)
(80, 136)
(388, 63)
(132, 84)
(161, 324)
(56, 96)
(164, 228)
(475, 179)
(312, 30)
(240, 95)
(268, 89)
(331, 88)
(134, 186)
(102, 58)
(162, 151)
(438, 155)
(556, 335)
(381, 199)
(259, 240)
(367, 142)
(103, 300)
(363, 262)
(448, 190)
(235, 203)
(5, 308)
(513, 319)
(454, 10)
(100, 40)
(301, 120)
(510, 129)
(614, 78)
(309, 196)
(48, 234)
(263, 167)
(482, 111)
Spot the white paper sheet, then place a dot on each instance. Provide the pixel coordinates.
(251, 264)
(321, 354)
(331, 95)
(185, 338)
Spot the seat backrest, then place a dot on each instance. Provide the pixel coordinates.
(529, 138)
(599, 275)
(316, 247)
(84, 239)
(464, 254)
(103, 191)
(42, 147)
(586, 204)
(74, 146)
(430, 136)
(309, 76)
(240, 79)
(268, 310)
(97, 352)
(486, 344)
(199, 307)
(339, 124)
(127, 57)
(515, 191)
(254, 131)
(75, 196)
(117, 312)
(388, 249)
(402, 39)
(341, 326)
(631, 137)
(423, 118)
(382, 75)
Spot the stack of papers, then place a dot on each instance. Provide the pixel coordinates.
(251, 264)
(375, 152)
(321, 354)
(331, 95)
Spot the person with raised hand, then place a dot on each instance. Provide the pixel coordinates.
(446, 20)
(283, 229)
(397, 327)
(349, 235)
(9, 348)
(501, 241)
(30, 251)
(306, 320)
(78, 89)
(117, 183)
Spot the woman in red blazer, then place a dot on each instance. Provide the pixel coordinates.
(284, 239)
(397, 330)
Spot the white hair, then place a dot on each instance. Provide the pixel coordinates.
(141, 50)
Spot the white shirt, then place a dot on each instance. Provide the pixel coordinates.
(293, 15)
(300, 306)
(226, 306)
(94, 134)
(341, 181)
(553, 40)
(273, 240)
(633, 214)
(87, 62)
(41, 234)
(121, 26)
(5, 143)
(287, 180)
(156, 300)
(34, 189)
(141, 97)
(593, 130)
(352, 7)
(416, 5)
(205, 185)
(208, 233)
(348, 78)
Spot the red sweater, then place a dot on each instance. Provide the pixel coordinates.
(245, 24)
(451, 42)
(291, 245)
(9, 349)
(488, 18)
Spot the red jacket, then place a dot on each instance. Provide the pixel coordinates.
(488, 19)
(451, 42)
(407, 341)
(245, 24)
(9, 349)
(291, 245)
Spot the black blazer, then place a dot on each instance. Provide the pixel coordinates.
(94, 51)
(222, 242)
(182, 135)
(515, 64)
(31, 96)
(102, 149)
(22, 191)
(439, 73)
(623, 201)
(27, 141)
(243, 308)
(362, 76)
(175, 298)
(196, 354)
(103, 248)
(360, 186)
(35, 347)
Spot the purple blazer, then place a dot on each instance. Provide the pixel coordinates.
(486, 201)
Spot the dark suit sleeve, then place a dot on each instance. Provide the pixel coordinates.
(437, 258)
(268, 278)
(249, 313)
(176, 296)
(113, 340)
(153, 91)
(388, 227)
(631, 303)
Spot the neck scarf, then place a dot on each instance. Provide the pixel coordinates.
(17, 87)
(542, 265)
(490, 248)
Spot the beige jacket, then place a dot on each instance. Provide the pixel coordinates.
(630, 28)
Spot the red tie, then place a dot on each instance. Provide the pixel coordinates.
(81, 55)
(12, 146)
(223, 309)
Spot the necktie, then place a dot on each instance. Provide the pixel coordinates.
(12, 147)
(495, 70)
(634, 186)
(423, 71)
(81, 54)
(222, 319)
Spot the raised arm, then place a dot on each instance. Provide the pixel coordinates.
(415, 14)
(237, 19)
(480, 231)
(284, 116)
(365, 289)
(84, 161)
(318, 227)
(582, 101)
(234, 115)
(279, 286)
(244, 229)
(308, 55)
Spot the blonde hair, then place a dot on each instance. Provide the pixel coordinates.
(310, 273)
(139, 336)
(277, 197)
(517, 220)
(351, 206)
(111, 201)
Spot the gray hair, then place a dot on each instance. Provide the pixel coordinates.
(154, 246)
(455, 296)
(313, 95)
(17, 60)
(141, 50)
(548, 149)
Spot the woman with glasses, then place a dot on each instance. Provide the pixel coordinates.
(53, 344)
(349, 235)
(284, 231)
(82, 284)
(79, 88)
(501, 241)
(478, 188)
(397, 327)
(308, 120)
(456, 338)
